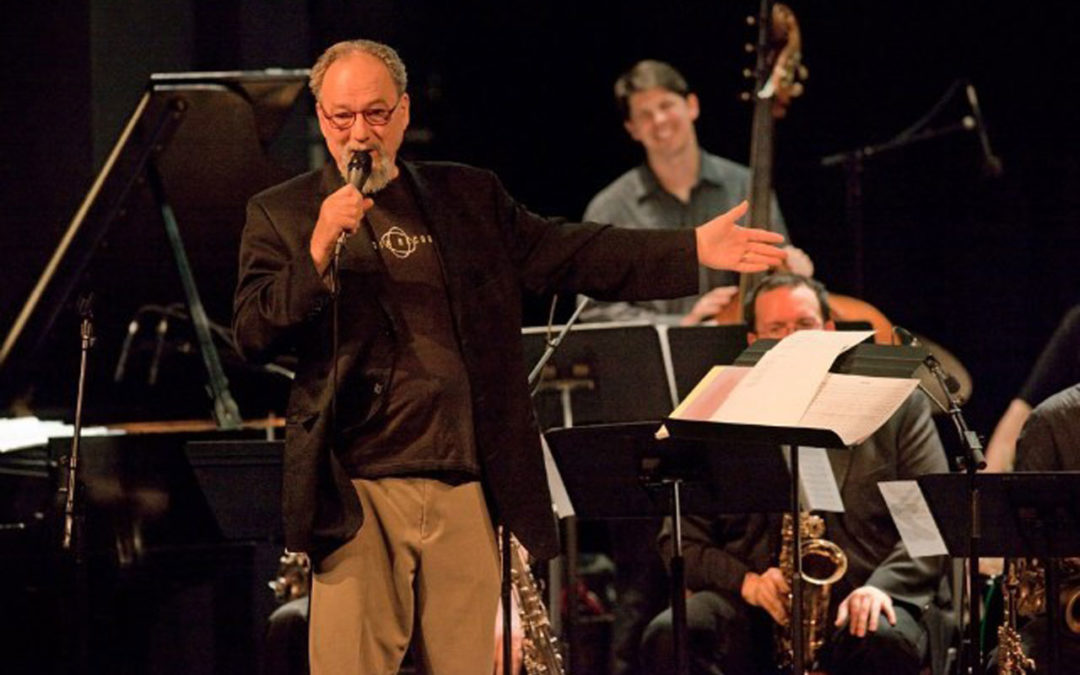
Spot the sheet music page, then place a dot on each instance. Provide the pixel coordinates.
(779, 389)
(28, 432)
(710, 393)
(819, 489)
(706, 396)
(560, 498)
(855, 406)
(913, 519)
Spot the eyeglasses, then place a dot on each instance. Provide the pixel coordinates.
(345, 119)
(783, 329)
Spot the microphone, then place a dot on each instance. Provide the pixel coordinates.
(125, 349)
(159, 346)
(358, 171)
(359, 168)
(991, 163)
(908, 339)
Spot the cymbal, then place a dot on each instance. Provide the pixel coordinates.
(952, 366)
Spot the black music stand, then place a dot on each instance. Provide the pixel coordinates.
(241, 481)
(612, 472)
(602, 373)
(622, 471)
(865, 359)
(1029, 515)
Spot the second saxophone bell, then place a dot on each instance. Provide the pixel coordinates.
(823, 564)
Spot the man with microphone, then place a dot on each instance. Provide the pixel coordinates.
(403, 449)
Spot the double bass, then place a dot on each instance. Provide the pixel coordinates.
(779, 79)
(780, 74)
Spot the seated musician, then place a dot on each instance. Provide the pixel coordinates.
(1057, 367)
(1050, 441)
(678, 184)
(879, 608)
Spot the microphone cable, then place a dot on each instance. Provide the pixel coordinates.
(358, 171)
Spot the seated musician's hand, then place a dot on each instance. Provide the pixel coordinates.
(340, 212)
(991, 567)
(861, 609)
(769, 591)
(721, 244)
(710, 304)
(798, 261)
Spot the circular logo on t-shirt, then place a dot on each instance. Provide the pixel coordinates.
(398, 242)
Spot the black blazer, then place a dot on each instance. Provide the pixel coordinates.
(490, 248)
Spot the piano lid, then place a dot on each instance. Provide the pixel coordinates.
(215, 139)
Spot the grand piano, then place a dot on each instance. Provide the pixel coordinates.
(179, 529)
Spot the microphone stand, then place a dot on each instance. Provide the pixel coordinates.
(854, 163)
(69, 487)
(970, 460)
(534, 387)
(72, 535)
(552, 345)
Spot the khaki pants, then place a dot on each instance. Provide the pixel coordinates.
(426, 557)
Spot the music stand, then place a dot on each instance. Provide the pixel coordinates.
(601, 373)
(619, 471)
(241, 481)
(612, 472)
(1031, 515)
(865, 359)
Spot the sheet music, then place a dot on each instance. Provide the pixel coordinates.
(819, 489)
(913, 519)
(28, 432)
(779, 389)
(855, 406)
(560, 499)
(795, 389)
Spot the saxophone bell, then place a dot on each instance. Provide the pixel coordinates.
(823, 564)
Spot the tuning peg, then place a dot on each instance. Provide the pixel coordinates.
(744, 96)
(751, 20)
(749, 48)
(747, 73)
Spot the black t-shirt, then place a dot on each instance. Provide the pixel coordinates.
(426, 425)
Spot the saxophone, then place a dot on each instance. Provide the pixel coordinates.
(293, 578)
(823, 563)
(1011, 658)
(1024, 593)
(540, 650)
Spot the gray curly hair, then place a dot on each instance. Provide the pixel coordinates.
(384, 53)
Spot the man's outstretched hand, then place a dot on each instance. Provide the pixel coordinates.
(721, 244)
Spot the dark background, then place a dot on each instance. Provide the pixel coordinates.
(983, 266)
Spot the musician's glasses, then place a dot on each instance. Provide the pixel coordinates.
(374, 117)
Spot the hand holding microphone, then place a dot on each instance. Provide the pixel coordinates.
(359, 170)
(340, 213)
